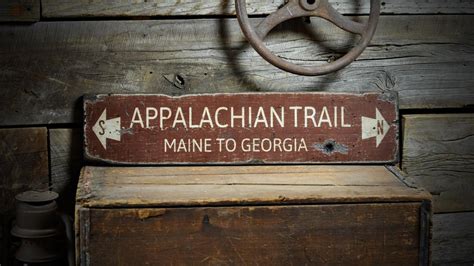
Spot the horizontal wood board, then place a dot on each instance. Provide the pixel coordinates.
(453, 238)
(242, 128)
(438, 152)
(48, 66)
(369, 234)
(119, 8)
(214, 175)
(20, 10)
(255, 185)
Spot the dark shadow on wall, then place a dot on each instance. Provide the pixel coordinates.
(67, 160)
(232, 51)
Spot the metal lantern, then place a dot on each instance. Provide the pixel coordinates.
(39, 227)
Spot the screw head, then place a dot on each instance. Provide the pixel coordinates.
(309, 5)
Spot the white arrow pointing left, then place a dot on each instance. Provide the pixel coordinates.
(107, 129)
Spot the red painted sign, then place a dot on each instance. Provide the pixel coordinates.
(242, 128)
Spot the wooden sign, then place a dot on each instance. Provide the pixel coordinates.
(242, 128)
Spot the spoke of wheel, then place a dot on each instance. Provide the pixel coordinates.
(328, 12)
(291, 10)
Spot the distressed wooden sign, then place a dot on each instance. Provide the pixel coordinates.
(242, 128)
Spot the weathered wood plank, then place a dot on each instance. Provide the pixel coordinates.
(438, 152)
(23, 162)
(218, 195)
(367, 234)
(48, 66)
(453, 239)
(86, 8)
(238, 175)
(294, 139)
(66, 160)
(19, 10)
(23, 166)
(99, 186)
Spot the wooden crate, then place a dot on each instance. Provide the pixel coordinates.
(274, 215)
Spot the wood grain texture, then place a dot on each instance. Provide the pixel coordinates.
(66, 161)
(23, 162)
(19, 10)
(453, 238)
(97, 8)
(324, 184)
(23, 166)
(438, 152)
(47, 67)
(228, 175)
(209, 127)
(376, 234)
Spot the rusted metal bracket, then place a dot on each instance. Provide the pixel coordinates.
(306, 8)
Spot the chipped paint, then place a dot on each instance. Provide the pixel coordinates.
(245, 128)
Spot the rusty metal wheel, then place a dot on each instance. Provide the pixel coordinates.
(306, 8)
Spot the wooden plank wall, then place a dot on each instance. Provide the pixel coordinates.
(23, 166)
(438, 152)
(68, 59)
(66, 163)
(19, 10)
(424, 50)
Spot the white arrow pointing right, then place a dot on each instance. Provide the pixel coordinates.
(107, 129)
(377, 127)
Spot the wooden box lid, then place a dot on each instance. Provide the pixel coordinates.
(242, 185)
